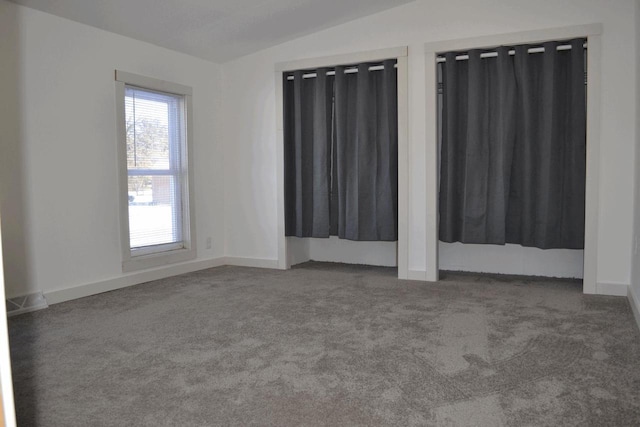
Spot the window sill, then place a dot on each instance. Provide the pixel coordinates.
(143, 262)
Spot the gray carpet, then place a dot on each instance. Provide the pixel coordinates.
(329, 344)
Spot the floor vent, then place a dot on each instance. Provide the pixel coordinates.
(26, 303)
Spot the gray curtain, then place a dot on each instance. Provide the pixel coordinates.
(477, 143)
(513, 148)
(366, 164)
(341, 144)
(307, 153)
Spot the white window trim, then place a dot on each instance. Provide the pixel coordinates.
(140, 259)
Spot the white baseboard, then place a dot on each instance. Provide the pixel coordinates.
(61, 295)
(612, 289)
(417, 275)
(251, 262)
(130, 279)
(634, 300)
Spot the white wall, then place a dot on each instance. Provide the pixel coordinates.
(350, 252)
(635, 255)
(249, 93)
(511, 259)
(334, 249)
(58, 170)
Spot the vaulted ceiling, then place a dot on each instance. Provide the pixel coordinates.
(217, 30)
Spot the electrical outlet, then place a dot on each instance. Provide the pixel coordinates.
(208, 243)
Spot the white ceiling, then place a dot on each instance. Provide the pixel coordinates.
(217, 30)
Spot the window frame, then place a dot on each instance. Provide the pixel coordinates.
(145, 257)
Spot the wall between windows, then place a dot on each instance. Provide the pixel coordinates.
(250, 132)
(58, 170)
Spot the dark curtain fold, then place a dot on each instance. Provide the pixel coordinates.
(547, 197)
(513, 148)
(307, 153)
(341, 163)
(366, 129)
(477, 146)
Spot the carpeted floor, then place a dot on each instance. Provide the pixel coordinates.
(329, 344)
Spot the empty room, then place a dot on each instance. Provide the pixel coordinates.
(337, 213)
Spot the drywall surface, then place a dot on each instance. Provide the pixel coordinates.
(250, 118)
(298, 250)
(635, 251)
(12, 179)
(344, 251)
(511, 259)
(59, 175)
(350, 252)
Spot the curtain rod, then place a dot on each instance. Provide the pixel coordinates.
(346, 71)
(511, 52)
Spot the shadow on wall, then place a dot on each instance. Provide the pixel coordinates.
(13, 205)
(12, 160)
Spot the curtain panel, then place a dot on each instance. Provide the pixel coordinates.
(341, 150)
(513, 153)
(307, 153)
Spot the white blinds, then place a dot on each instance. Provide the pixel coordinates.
(155, 138)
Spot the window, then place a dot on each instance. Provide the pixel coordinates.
(154, 156)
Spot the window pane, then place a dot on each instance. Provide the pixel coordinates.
(153, 216)
(150, 119)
